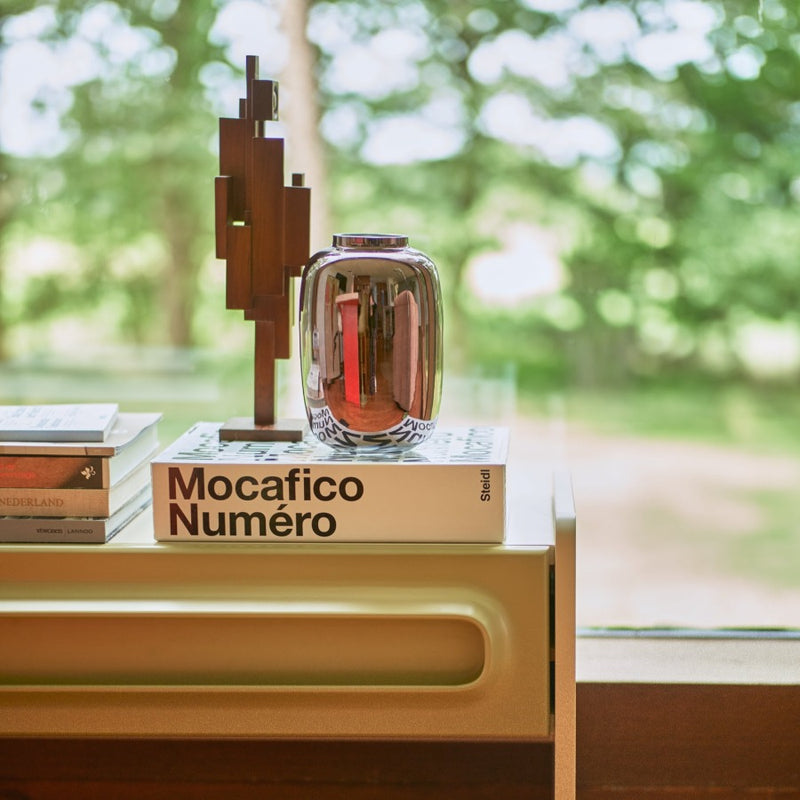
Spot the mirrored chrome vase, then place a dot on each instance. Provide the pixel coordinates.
(371, 342)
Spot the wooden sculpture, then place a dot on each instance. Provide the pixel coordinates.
(262, 231)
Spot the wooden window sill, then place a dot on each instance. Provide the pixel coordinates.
(688, 657)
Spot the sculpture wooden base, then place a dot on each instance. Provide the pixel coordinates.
(244, 429)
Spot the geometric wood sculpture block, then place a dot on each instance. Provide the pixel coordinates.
(262, 232)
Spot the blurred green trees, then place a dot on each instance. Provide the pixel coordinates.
(125, 190)
(610, 189)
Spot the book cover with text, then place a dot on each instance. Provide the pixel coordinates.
(448, 489)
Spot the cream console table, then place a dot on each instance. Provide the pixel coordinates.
(375, 642)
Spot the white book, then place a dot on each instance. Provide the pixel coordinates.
(448, 489)
(74, 422)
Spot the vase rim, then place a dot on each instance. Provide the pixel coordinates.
(380, 241)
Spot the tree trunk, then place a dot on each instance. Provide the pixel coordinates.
(300, 112)
(186, 216)
(180, 280)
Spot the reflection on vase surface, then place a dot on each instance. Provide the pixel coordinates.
(370, 339)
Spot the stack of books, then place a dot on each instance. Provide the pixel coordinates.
(451, 488)
(73, 473)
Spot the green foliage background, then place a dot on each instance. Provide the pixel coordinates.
(651, 146)
(675, 214)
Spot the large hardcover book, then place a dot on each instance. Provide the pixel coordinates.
(73, 530)
(75, 502)
(448, 489)
(74, 422)
(84, 465)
